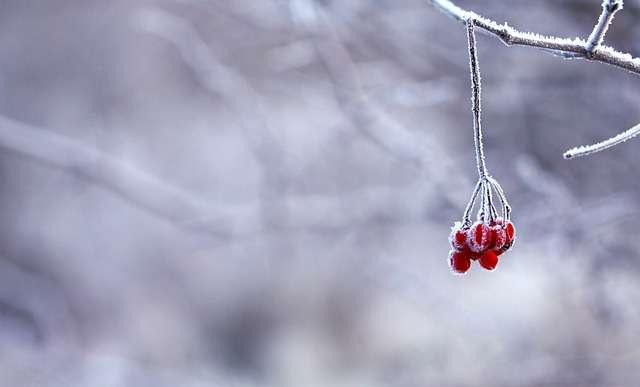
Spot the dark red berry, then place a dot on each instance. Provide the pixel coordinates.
(459, 261)
(504, 248)
(489, 260)
(478, 237)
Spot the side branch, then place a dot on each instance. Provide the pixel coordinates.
(591, 149)
(609, 9)
(565, 47)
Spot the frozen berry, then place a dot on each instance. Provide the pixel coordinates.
(510, 230)
(458, 237)
(498, 237)
(478, 237)
(504, 248)
(459, 261)
(510, 234)
(489, 260)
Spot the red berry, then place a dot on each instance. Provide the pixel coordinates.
(510, 234)
(510, 230)
(458, 237)
(489, 260)
(504, 248)
(478, 237)
(498, 237)
(459, 261)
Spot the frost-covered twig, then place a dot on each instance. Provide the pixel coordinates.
(475, 100)
(609, 9)
(565, 47)
(591, 149)
(592, 49)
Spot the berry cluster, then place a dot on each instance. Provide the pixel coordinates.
(492, 234)
(483, 242)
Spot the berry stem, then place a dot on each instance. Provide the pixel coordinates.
(466, 219)
(487, 211)
(475, 99)
(506, 208)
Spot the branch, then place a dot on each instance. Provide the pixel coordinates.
(138, 187)
(382, 129)
(591, 149)
(475, 93)
(609, 9)
(592, 49)
(565, 47)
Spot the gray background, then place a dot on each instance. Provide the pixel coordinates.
(259, 193)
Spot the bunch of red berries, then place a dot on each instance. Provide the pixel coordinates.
(487, 238)
(492, 234)
(482, 242)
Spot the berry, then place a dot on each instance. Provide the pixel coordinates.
(478, 237)
(504, 249)
(458, 237)
(498, 237)
(510, 230)
(510, 234)
(459, 261)
(489, 260)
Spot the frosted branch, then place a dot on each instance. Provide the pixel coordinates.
(609, 9)
(475, 99)
(565, 47)
(592, 50)
(591, 149)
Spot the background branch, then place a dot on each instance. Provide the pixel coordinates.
(135, 185)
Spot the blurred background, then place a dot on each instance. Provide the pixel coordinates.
(259, 193)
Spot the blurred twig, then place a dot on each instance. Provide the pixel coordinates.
(219, 79)
(136, 186)
(381, 128)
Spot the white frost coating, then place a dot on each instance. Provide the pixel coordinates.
(452, 236)
(475, 245)
(591, 149)
(609, 9)
(565, 47)
(591, 49)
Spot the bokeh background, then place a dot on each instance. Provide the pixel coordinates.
(259, 192)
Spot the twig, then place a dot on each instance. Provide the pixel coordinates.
(194, 215)
(226, 81)
(565, 47)
(591, 149)
(592, 49)
(382, 129)
(609, 9)
(475, 100)
(143, 190)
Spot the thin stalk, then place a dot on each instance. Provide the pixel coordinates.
(475, 99)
